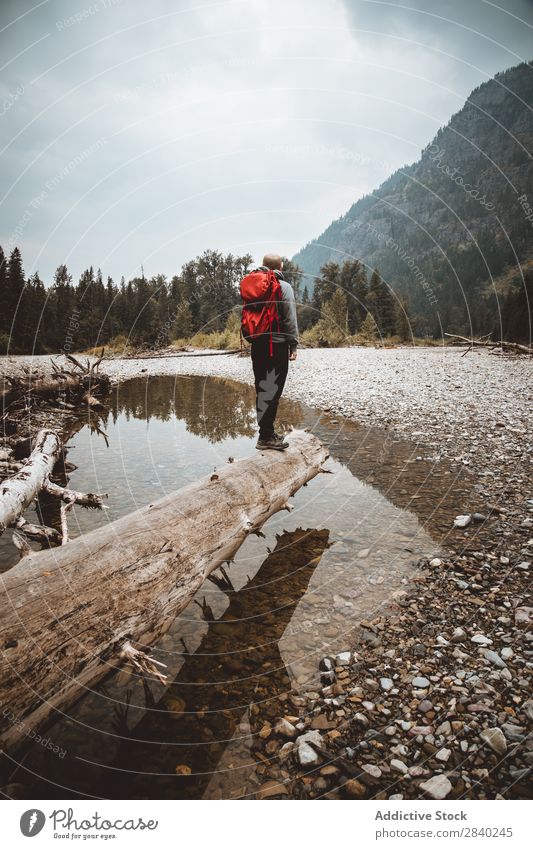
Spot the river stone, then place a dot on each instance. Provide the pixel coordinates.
(494, 738)
(425, 705)
(462, 521)
(437, 787)
(285, 751)
(399, 766)
(523, 615)
(354, 787)
(344, 658)
(494, 658)
(514, 733)
(386, 683)
(528, 709)
(307, 755)
(443, 755)
(286, 729)
(271, 788)
(372, 769)
(420, 682)
(481, 640)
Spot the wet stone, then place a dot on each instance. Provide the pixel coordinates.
(437, 787)
(495, 738)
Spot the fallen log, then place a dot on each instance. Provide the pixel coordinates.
(483, 342)
(71, 614)
(17, 492)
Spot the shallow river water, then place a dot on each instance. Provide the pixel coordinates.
(258, 632)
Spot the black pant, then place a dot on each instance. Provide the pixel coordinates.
(270, 373)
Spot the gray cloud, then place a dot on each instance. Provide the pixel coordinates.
(142, 135)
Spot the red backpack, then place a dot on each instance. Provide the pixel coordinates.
(260, 293)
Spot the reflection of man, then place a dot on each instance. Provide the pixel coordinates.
(270, 372)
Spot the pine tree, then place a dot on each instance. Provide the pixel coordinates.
(369, 330)
(33, 328)
(381, 304)
(352, 280)
(183, 326)
(3, 296)
(14, 305)
(334, 322)
(326, 285)
(403, 326)
(61, 310)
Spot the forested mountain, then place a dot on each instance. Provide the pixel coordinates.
(449, 232)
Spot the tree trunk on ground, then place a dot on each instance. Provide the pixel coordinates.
(17, 493)
(70, 614)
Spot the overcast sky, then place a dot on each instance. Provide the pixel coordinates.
(138, 133)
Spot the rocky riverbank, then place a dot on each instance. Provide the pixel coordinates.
(432, 699)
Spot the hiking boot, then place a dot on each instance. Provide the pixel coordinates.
(273, 443)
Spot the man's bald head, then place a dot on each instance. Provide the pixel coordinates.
(273, 261)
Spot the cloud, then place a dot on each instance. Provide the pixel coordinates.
(244, 125)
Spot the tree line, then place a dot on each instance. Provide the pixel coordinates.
(203, 298)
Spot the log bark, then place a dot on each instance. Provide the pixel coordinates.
(68, 614)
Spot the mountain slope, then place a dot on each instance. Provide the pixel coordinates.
(439, 230)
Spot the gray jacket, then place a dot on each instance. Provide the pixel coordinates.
(287, 313)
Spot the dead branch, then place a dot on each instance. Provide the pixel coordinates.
(71, 496)
(484, 342)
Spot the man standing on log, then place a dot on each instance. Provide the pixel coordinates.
(270, 323)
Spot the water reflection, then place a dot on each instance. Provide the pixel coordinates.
(237, 665)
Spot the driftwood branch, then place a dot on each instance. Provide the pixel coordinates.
(67, 613)
(484, 342)
(145, 664)
(72, 496)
